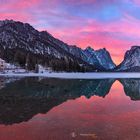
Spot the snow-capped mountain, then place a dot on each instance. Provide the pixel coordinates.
(100, 58)
(131, 60)
(91, 57)
(20, 43)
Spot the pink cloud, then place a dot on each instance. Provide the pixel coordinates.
(49, 15)
(20, 17)
(136, 2)
(19, 4)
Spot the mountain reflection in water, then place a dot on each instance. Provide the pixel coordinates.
(22, 100)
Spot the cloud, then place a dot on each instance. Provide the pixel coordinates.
(112, 24)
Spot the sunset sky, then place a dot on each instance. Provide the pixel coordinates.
(113, 24)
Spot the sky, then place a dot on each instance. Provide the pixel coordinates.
(110, 24)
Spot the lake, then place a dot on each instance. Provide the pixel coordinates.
(67, 109)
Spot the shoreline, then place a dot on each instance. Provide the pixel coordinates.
(89, 75)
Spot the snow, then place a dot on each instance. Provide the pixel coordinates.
(14, 71)
(42, 69)
(63, 75)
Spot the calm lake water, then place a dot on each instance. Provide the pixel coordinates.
(54, 109)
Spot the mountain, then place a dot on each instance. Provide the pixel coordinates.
(131, 60)
(20, 43)
(100, 58)
(23, 45)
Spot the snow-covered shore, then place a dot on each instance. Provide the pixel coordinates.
(64, 75)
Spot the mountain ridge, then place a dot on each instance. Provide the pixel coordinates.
(21, 43)
(21, 37)
(131, 60)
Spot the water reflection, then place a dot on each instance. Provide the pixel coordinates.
(131, 88)
(26, 97)
(72, 109)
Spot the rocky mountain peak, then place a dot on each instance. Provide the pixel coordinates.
(89, 49)
(4, 22)
(103, 50)
(16, 25)
(105, 58)
(99, 57)
(134, 50)
(131, 60)
(135, 47)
